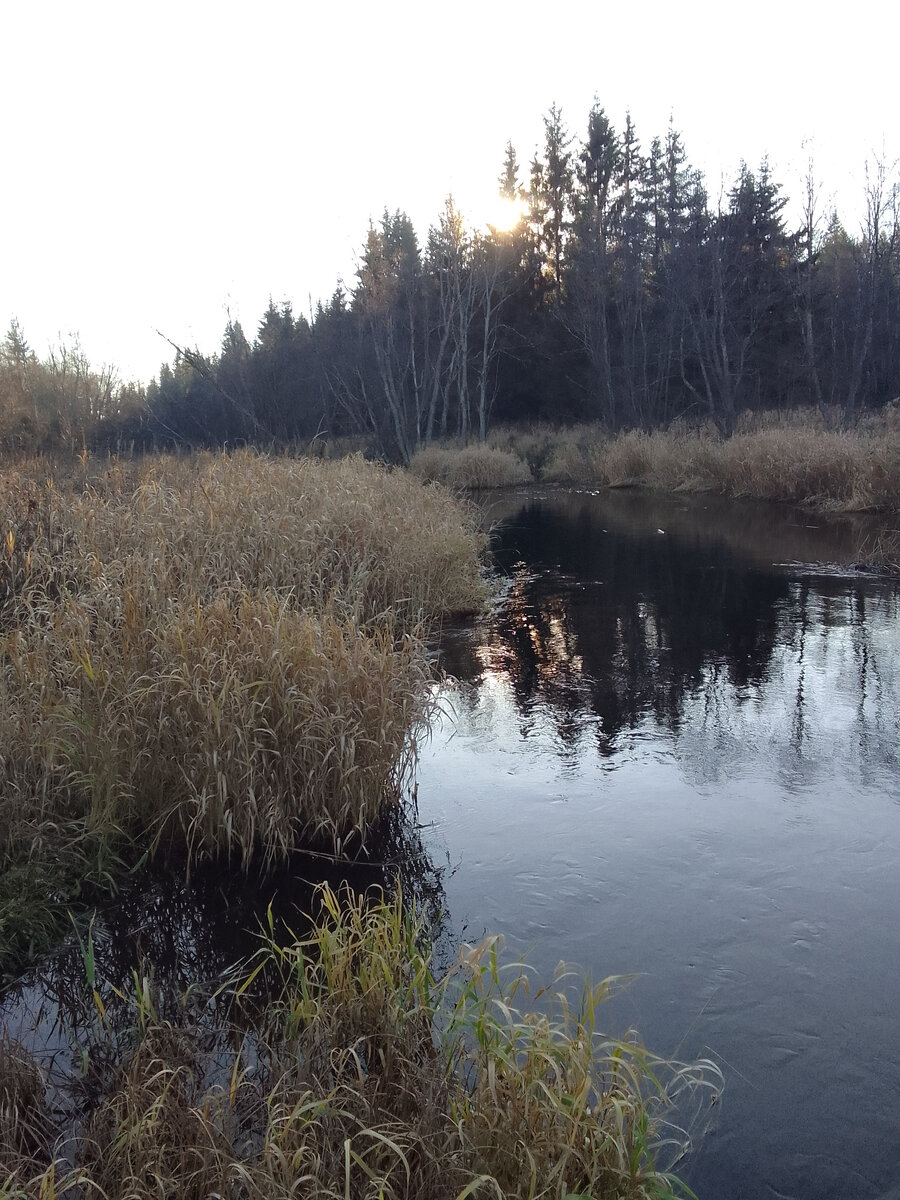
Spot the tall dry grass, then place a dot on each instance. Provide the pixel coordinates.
(368, 1076)
(25, 1127)
(470, 467)
(348, 533)
(224, 651)
(240, 725)
(841, 471)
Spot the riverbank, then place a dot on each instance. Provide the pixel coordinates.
(224, 658)
(217, 655)
(791, 458)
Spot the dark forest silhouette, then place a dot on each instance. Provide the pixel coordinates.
(626, 294)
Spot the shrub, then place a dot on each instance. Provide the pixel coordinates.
(470, 467)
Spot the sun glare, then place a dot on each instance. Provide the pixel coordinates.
(505, 214)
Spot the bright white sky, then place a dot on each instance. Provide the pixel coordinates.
(168, 163)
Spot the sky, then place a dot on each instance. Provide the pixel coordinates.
(169, 166)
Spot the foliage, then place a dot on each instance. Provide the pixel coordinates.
(796, 461)
(468, 467)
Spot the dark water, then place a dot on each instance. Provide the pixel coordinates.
(673, 751)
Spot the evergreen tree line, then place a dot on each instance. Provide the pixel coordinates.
(625, 294)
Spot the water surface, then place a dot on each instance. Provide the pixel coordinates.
(673, 751)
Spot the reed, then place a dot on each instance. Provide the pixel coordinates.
(368, 1076)
(470, 467)
(880, 552)
(225, 652)
(25, 1130)
(348, 533)
(240, 726)
(836, 471)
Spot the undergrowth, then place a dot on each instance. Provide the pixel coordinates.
(351, 1071)
(470, 467)
(770, 458)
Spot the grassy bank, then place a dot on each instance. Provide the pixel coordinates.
(470, 467)
(362, 1075)
(224, 653)
(840, 472)
(792, 459)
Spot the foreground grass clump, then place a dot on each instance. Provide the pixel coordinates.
(240, 726)
(367, 1077)
(227, 653)
(470, 467)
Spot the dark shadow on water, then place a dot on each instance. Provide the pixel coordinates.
(174, 935)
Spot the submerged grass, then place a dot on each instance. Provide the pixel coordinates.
(368, 1076)
(224, 652)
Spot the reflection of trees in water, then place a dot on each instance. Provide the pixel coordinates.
(616, 630)
(829, 709)
(622, 627)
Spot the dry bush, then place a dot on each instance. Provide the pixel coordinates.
(880, 552)
(877, 482)
(565, 464)
(161, 1132)
(785, 465)
(241, 725)
(261, 726)
(573, 462)
(470, 467)
(628, 459)
(531, 443)
(349, 533)
(24, 1122)
(807, 417)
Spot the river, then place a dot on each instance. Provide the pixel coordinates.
(673, 751)
(670, 750)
